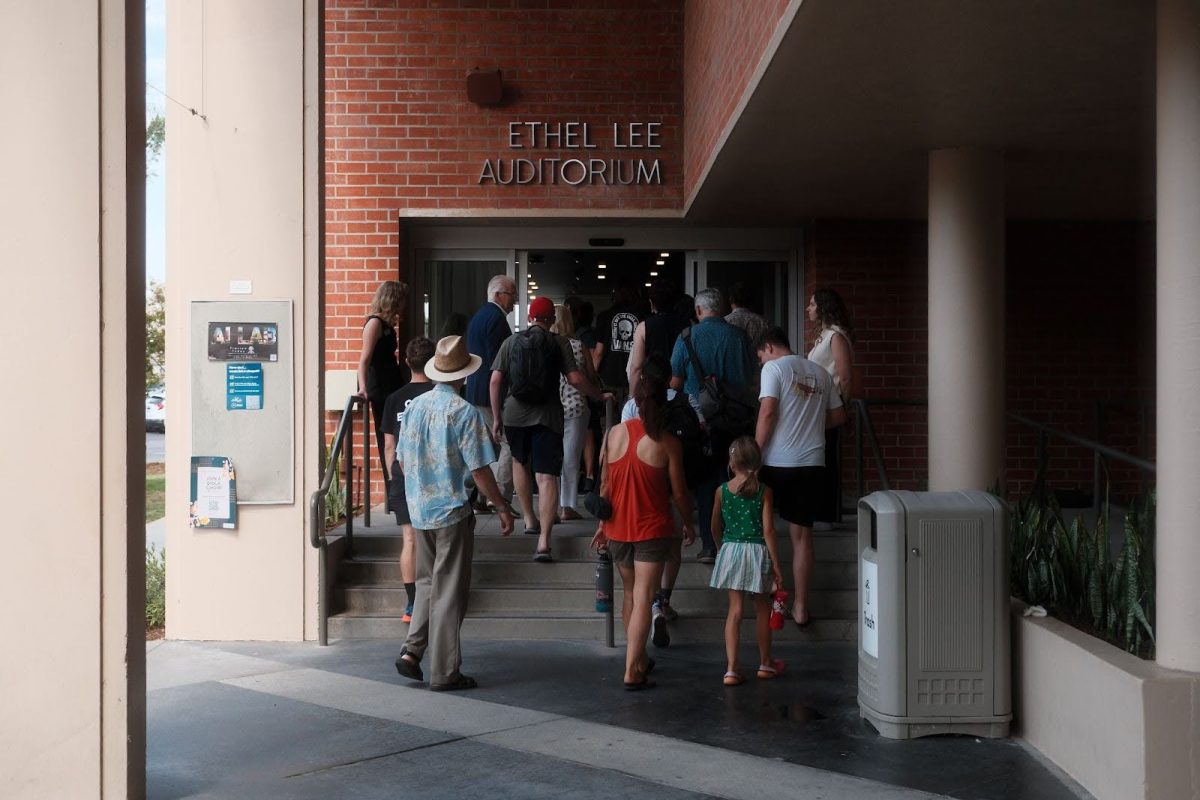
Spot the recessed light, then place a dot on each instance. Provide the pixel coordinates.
(660, 262)
(653, 274)
(664, 255)
(602, 266)
(647, 284)
(599, 277)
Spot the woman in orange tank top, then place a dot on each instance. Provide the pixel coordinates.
(641, 473)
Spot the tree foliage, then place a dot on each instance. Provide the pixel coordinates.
(156, 334)
(156, 135)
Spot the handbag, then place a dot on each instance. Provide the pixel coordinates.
(598, 506)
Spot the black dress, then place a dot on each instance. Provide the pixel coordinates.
(384, 376)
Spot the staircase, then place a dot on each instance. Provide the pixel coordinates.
(512, 597)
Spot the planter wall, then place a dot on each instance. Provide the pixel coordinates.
(1122, 727)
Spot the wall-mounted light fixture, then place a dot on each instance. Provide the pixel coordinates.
(485, 87)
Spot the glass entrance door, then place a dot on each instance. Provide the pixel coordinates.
(771, 279)
(450, 285)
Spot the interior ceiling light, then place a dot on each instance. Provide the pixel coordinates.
(653, 274)
(660, 262)
(599, 277)
(664, 255)
(647, 284)
(602, 266)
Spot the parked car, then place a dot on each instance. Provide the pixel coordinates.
(156, 410)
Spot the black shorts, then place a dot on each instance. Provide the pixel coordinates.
(398, 501)
(536, 446)
(799, 492)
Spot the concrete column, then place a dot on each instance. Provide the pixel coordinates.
(71, 200)
(243, 203)
(966, 319)
(1178, 333)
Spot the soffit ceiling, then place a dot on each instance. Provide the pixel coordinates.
(860, 91)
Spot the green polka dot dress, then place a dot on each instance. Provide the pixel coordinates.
(742, 562)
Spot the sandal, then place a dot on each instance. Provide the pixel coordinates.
(637, 686)
(769, 672)
(569, 515)
(733, 679)
(461, 682)
(543, 557)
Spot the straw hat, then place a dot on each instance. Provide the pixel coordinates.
(451, 360)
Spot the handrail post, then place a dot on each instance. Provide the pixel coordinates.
(609, 623)
(349, 448)
(366, 409)
(1096, 461)
(858, 446)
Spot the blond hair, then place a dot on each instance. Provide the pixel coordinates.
(745, 456)
(564, 323)
(389, 301)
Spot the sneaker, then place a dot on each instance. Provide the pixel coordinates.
(658, 628)
(707, 557)
(407, 615)
(587, 485)
(665, 607)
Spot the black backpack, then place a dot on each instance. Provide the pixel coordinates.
(681, 420)
(534, 366)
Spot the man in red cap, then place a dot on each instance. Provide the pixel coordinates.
(527, 408)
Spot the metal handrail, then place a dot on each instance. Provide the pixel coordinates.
(316, 502)
(863, 418)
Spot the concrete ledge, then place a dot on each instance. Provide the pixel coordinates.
(1122, 727)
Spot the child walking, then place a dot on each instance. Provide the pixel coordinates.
(743, 523)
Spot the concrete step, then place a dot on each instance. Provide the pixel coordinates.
(390, 598)
(519, 569)
(581, 627)
(840, 545)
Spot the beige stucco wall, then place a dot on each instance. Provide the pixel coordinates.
(1124, 728)
(73, 675)
(242, 205)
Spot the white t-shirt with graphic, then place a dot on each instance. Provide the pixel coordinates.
(805, 392)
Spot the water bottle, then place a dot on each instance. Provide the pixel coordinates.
(778, 609)
(604, 582)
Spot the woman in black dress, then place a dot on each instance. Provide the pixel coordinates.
(379, 371)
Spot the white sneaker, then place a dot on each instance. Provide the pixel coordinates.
(658, 628)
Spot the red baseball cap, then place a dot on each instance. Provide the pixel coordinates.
(541, 308)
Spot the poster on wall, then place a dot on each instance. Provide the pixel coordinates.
(243, 387)
(243, 341)
(214, 493)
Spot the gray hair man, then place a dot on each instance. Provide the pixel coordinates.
(486, 332)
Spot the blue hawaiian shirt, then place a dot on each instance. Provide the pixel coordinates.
(444, 440)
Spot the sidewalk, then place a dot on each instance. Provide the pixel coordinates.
(550, 719)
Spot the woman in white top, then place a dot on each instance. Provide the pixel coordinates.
(575, 417)
(832, 350)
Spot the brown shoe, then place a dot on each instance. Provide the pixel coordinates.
(568, 515)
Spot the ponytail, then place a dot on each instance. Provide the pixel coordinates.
(744, 455)
(650, 395)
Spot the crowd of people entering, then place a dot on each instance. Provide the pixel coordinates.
(722, 427)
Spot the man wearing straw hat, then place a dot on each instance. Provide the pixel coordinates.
(443, 445)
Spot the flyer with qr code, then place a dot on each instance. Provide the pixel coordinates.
(214, 493)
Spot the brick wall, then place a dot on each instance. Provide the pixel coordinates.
(1080, 329)
(723, 45)
(401, 135)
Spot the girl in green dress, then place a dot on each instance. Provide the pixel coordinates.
(743, 523)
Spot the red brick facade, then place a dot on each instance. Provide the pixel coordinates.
(402, 138)
(1080, 331)
(723, 45)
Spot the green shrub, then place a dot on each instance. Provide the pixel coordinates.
(1070, 569)
(335, 500)
(156, 587)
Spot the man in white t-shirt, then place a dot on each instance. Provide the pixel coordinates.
(797, 403)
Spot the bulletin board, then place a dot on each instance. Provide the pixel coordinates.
(243, 393)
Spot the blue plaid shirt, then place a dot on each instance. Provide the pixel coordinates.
(444, 440)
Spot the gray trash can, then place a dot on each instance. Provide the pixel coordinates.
(933, 643)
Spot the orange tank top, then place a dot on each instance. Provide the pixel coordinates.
(640, 495)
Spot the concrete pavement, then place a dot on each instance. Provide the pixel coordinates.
(550, 719)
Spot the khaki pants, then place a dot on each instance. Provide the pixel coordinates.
(502, 467)
(443, 584)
